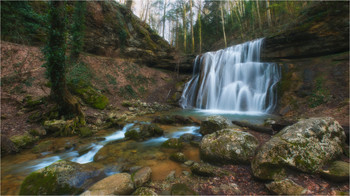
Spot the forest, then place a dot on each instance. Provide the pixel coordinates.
(174, 97)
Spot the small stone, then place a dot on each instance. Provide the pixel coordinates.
(337, 172)
(186, 173)
(171, 176)
(189, 163)
(142, 176)
(285, 187)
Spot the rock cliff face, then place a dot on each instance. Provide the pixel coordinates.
(313, 55)
(113, 30)
(319, 31)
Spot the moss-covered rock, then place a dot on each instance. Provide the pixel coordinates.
(85, 132)
(90, 95)
(7, 146)
(206, 170)
(305, 146)
(43, 146)
(174, 143)
(212, 124)
(285, 187)
(144, 191)
(231, 146)
(150, 130)
(338, 171)
(182, 189)
(178, 157)
(60, 178)
(174, 119)
(133, 135)
(117, 184)
(24, 140)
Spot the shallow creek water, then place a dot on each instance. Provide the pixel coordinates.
(114, 153)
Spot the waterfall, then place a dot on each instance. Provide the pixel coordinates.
(233, 79)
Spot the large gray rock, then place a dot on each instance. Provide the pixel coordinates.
(117, 184)
(212, 124)
(60, 178)
(228, 146)
(285, 187)
(142, 176)
(305, 146)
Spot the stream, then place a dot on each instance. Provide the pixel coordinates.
(119, 153)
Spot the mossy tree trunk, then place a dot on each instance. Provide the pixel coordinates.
(56, 65)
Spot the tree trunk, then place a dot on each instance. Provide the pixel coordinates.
(164, 12)
(223, 23)
(184, 26)
(56, 64)
(192, 34)
(147, 10)
(268, 13)
(129, 4)
(258, 12)
(200, 26)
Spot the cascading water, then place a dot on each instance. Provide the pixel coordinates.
(233, 79)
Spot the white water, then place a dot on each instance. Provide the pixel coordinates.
(233, 80)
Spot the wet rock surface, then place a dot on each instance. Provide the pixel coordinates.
(305, 146)
(232, 146)
(212, 124)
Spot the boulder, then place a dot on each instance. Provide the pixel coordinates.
(150, 130)
(187, 137)
(24, 140)
(117, 184)
(285, 187)
(181, 189)
(228, 146)
(212, 124)
(43, 146)
(60, 178)
(305, 146)
(141, 176)
(338, 171)
(173, 143)
(203, 169)
(60, 127)
(144, 191)
(7, 146)
(178, 157)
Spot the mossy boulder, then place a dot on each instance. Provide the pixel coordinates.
(150, 130)
(212, 124)
(90, 95)
(144, 191)
(117, 184)
(306, 146)
(174, 119)
(231, 146)
(54, 126)
(43, 146)
(181, 189)
(85, 132)
(204, 169)
(285, 187)
(23, 141)
(187, 137)
(133, 134)
(178, 157)
(141, 176)
(338, 171)
(60, 178)
(174, 143)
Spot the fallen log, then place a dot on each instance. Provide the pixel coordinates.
(253, 127)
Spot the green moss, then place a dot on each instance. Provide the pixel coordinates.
(181, 189)
(44, 184)
(133, 134)
(85, 132)
(22, 141)
(90, 95)
(43, 146)
(173, 143)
